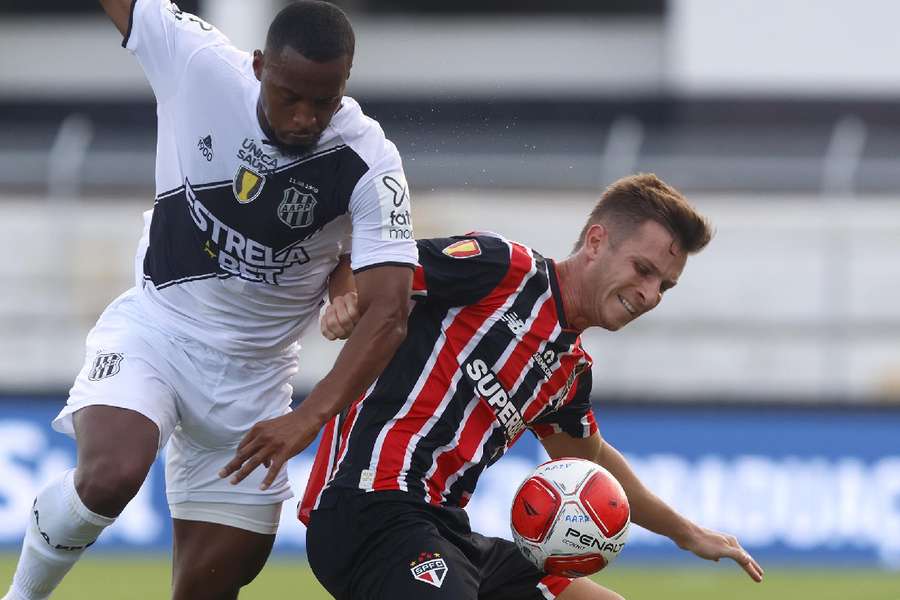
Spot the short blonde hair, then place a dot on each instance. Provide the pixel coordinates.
(631, 201)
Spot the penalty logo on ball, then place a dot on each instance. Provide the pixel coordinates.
(429, 568)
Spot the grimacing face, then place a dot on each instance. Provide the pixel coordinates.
(298, 96)
(627, 279)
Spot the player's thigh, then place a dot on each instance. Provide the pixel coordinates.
(423, 564)
(116, 438)
(221, 400)
(212, 561)
(585, 589)
(364, 550)
(127, 366)
(508, 575)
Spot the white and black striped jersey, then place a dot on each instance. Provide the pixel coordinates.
(488, 354)
(238, 247)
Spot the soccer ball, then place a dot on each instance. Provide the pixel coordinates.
(570, 517)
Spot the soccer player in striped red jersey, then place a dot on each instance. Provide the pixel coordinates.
(493, 348)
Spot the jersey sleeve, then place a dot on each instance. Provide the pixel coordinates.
(163, 38)
(380, 211)
(574, 417)
(462, 270)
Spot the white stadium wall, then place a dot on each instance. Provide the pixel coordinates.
(794, 298)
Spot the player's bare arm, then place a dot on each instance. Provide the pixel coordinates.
(647, 509)
(383, 306)
(340, 280)
(342, 313)
(119, 12)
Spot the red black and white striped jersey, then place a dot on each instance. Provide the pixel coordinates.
(487, 356)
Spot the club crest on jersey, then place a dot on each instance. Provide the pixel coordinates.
(247, 185)
(105, 365)
(429, 568)
(463, 249)
(296, 208)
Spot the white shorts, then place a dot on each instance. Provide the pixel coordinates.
(202, 401)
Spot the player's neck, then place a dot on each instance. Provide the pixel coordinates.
(570, 292)
(263, 122)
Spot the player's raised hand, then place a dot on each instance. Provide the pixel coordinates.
(713, 545)
(270, 443)
(340, 317)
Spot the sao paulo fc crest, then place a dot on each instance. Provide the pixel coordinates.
(429, 568)
(296, 208)
(247, 184)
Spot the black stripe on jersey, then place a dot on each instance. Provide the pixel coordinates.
(384, 264)
(463, 281)
(309, 157)
(171, 192)
(130, 24)
(390, 391)
(186, 279)
(492, 345)
(201, 229)
(202, 186)
(212, 184)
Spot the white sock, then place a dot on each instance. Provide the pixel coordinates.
(59, 530)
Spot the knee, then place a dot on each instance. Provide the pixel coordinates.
(203, 580)
(107, 484)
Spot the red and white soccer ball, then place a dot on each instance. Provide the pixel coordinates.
(570, 517)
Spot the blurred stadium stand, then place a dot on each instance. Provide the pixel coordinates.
(791, 145)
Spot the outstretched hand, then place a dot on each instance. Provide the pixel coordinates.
(270, 443)
(340, 317)
(713, 545)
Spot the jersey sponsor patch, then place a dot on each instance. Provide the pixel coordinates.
(105, 365)
(247, 185)
(429, 568)
(463, 249)
(393, 195)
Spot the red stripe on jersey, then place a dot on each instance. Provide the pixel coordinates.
(474, 429)
(321, 471)
(555, 584)
(520, 264)
(345, 431)
(326, 461)
(541, 328)
(418, 282)
(482, 420)
(558, 381)
(460, 332)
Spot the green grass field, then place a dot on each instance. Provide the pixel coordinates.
(108, 578)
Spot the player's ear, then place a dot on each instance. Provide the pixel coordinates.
(596, 238)
(259, 61)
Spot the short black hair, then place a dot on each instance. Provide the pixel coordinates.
(320, 31)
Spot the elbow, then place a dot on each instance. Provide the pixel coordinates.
(396, 327)
(392, 326)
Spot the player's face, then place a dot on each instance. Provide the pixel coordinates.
(627, 279)
(298, 96)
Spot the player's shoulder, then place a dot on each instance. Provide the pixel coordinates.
(166, 23)
(475, 247)
(365, 136)
(220, 60)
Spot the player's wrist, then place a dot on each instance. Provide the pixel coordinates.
(686, 534)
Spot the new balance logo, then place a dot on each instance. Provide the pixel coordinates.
(516, 325)
(105, 365)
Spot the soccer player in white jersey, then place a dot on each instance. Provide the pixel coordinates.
(264, 168)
